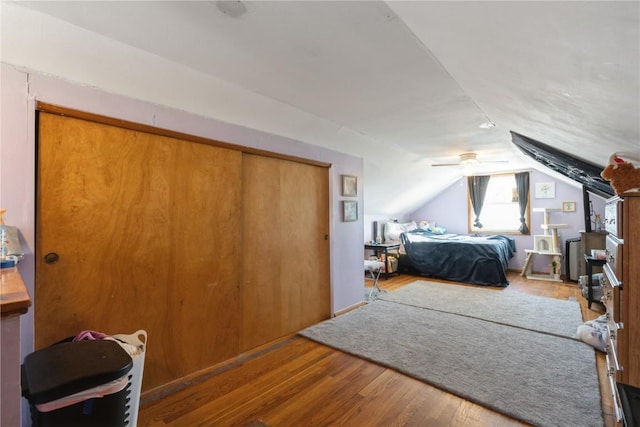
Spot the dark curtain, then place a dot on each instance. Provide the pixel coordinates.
(522, 181)
(477, 190)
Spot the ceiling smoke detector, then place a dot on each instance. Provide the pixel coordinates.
(234, 9)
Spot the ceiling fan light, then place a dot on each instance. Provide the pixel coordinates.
(468, 169)
(468, 158)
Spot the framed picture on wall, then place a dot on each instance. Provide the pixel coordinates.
(545, 190)
(349, 186)
(568, 206)
(349, 210)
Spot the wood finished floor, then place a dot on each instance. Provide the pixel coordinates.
(297, 382)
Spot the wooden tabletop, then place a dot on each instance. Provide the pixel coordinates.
(14, 298)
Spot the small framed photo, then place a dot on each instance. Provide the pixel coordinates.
(543, 243)
(349, 210)
(568, 206)
(545, 190)
(349, 186)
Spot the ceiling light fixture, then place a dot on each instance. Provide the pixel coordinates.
(468, 159)
(468, 163)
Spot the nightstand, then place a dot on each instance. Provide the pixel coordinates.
(385, 248)
(590, 263)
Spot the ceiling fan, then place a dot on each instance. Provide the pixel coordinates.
(469, 160)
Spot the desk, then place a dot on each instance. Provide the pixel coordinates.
(589, 241)
(590, 262)
(384, 248)
(14, 297)
(14, 301)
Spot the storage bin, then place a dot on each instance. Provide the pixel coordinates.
(83, 383)
(138, 340)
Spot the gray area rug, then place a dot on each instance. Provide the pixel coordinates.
(500, 305)
(539, 378)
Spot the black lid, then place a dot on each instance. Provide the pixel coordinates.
(70, 367)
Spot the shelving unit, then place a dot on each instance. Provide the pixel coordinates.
(550, 231)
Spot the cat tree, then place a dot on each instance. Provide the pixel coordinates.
(546, 244)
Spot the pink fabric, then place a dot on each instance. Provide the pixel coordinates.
(89, 335)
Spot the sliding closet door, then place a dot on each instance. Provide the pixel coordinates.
(138, 231)
(285, 248)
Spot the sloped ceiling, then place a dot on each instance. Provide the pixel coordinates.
(419, 80)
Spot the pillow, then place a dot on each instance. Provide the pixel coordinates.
(392, 230)
(411, 226)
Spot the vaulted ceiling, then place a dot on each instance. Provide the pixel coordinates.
(418, 82)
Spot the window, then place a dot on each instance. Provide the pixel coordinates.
(500, 210)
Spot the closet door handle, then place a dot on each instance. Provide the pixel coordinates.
(51, 258)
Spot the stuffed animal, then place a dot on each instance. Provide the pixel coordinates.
(622, 174)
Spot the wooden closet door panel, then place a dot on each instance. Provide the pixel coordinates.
(98, 213)
(304, 202)
(204, 278)
(286, 255)
(138, 222)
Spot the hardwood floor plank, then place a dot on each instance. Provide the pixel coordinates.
(303, 383)
(397, 394)
(346, 381)
(296, 354)
(239, 398)
(285, 395)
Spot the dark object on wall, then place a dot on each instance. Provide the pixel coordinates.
(579, 170)
(587, 209)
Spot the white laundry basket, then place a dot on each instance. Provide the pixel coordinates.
(139, 340)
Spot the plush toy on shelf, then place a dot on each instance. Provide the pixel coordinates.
(621, 172)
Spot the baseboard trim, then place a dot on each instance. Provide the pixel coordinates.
(348, 309)
(174, 386)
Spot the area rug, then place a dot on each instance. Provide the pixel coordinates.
(500, 305)
(539, 378)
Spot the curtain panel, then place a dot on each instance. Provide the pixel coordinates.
(477, 190)
(522, 182)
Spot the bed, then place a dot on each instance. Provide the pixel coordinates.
(476, 259)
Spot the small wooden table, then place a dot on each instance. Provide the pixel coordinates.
(14, 297)
(384, 248)
(14, 301)
(590, 263)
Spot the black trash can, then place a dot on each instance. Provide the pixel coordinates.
(83, 383)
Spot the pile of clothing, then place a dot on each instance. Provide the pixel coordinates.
(595, 333)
